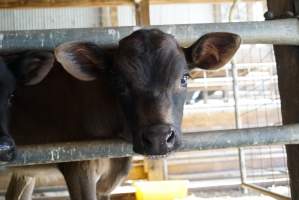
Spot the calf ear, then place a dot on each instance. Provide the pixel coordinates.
(212, 50)
(41, 64)
(82, 60)
(30, 67)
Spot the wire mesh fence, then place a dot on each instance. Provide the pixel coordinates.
(259, 106)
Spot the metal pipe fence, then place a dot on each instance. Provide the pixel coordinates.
(251, 33)
(88, 150)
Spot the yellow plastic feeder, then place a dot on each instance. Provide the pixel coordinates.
(161, 190)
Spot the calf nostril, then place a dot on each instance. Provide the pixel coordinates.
(170, 137)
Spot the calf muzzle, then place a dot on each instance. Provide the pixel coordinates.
(158, 140)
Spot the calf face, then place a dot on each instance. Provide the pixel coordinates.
(149, 71)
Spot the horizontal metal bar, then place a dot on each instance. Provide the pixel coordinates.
(64, 152)
(284, 32)
(265, 191)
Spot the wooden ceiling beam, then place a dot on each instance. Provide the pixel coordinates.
(61, 3)
(195, 1)
(94, 3)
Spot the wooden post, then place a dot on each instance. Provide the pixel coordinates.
(109, 16)
(287, 58)
(20, 187)
(105, 17)
(142, 12)
(114, 16)
(156, 169)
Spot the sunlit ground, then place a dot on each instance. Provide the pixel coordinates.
(231, 198)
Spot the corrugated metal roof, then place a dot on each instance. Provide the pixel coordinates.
(49, 18)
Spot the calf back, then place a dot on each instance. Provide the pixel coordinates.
(62, 108)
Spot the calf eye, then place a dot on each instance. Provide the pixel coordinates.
(184, 80)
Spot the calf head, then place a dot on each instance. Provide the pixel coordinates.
(150, 71)
(23, 68)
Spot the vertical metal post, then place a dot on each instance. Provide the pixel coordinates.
(238, 123)
(205, 92)
(242, 166)
(235, 75)
(226, 89)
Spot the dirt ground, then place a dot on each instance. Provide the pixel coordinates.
(231, 198)
(232, 194)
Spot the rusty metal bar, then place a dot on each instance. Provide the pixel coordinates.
(283, 32)
(64, 152)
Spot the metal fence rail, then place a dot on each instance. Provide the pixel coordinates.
(265, 32)
(64, 152)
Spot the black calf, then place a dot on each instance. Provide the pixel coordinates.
(23, 68)
(7, 87)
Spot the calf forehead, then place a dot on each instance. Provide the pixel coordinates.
(146, 40)
(150, 58)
